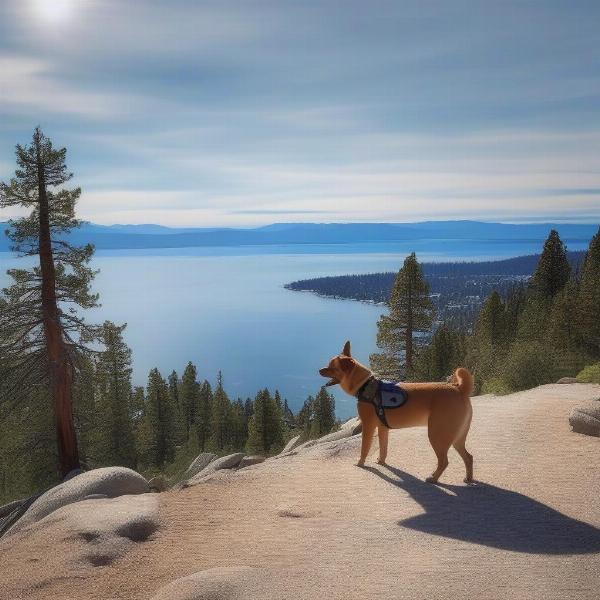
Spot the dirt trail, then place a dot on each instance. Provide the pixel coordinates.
(319, 527)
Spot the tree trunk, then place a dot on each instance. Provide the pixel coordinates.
(61, 375)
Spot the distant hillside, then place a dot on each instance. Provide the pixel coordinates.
(459, 288)
(157, 236)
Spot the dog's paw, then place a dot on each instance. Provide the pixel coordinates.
(360, 463)
(431, 479)
(381, 461)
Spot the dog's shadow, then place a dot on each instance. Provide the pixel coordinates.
(492, 516)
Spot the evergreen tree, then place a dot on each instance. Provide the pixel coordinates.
(41, 336)
(238, 426)
(288, 415)
(157, 431)
(588, 301)
(549, 278)
(410, 312)
(553, 270)
(137, 405)
(265, 428)
(204, 415)
(304, 417)
(114, 431)
(190, 391)
(323, 418)
(443, 355)
(220, 416)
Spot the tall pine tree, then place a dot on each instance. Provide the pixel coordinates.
(40, 338)
(265, 428)
(587, 315)
(410, 312)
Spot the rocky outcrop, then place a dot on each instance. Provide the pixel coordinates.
(567, 380)
(251, 460)
(106, 528)
(198, 464)
(225, 462)
(293, 443)
(107, 482)
(221, 583)
(585, 418)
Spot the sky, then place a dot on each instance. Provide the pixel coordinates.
(202, 113)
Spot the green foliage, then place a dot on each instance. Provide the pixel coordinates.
(589, 374)
(442, 356)
(265, 427)
(204, 415)
(42, 332)
(189, 397)
(323, 417)
(553, 268)
(220, 417)
(588, 304)
(157, 431)
(114, 441)
(410, 312)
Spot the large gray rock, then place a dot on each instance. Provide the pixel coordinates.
(353, 424)
(106, 528)
(225, 462)
(8, 508)
(567, 380)
(109, 482)
(200, 462)
(336, 435)
(293, 443)
(251, 460)
(585, 418)
(221, 583)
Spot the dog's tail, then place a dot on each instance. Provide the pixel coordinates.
(463, 381)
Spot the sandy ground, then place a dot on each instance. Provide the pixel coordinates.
(319, 527)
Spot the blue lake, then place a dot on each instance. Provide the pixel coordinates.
(226, 308)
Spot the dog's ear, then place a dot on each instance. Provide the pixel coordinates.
(346, 350)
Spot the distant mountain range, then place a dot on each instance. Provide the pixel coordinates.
(157, 236)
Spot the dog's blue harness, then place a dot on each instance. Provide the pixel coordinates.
(383, 395)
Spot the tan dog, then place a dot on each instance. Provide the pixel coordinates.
(444, 407)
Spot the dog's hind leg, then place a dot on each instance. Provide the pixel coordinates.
(440, 442)
(459, 446)
(383, 433)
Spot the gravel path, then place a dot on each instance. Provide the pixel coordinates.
(318, 527)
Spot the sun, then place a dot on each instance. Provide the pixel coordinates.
(53, 11)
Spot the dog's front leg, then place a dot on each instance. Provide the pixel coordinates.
(368, 430)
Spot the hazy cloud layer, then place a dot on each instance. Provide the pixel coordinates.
(232, 113)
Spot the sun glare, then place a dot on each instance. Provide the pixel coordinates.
(53, 11)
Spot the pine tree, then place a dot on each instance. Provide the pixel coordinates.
(443, 355)
(239, 426)
(43, 335)
(189, 397)
(116, 444)
(410, 312)
(550, 277)
(553, 270)
(157, 430)
(174, 384)
(220, 416)
(323, 414)
(204, 415)
(265, 428)
(588, 302)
